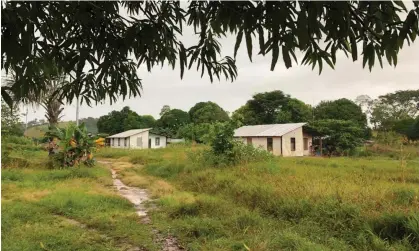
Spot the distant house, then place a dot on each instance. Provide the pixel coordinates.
(137, 139)
(280, 139)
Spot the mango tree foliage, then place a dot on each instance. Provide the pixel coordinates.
(338, 136)
(272, 107)
(392, 107)
(171, 121)
(126, 119)
(340, 109)
(101, 47)
(207, 112)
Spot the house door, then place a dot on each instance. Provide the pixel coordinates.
(269, 144)
(149, 143)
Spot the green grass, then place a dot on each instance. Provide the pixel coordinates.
(281, 204)
(285, 204)
(71, 209)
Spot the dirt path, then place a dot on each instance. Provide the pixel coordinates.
(139, 197)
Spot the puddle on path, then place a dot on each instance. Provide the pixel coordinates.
(138, 197)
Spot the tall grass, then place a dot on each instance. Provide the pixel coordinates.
(286, 203)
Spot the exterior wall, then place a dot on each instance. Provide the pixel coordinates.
(277, 144)
(144, 140)
(132, 141)
(310, 144)
(122, 145)
(286, 143)
(260, 142)
(241, 139)
(163, 141)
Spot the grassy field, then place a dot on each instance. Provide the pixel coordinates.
(282, 204)
(72, 209)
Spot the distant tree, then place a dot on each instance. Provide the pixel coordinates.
(171, 121)
(340, 109)
(406, 127)
(294, 110)
(392, 107)
(272, 107)
(90, 123)
(164, 109)
(200, 133)
(338, 136)
(147, 121)
(207, 112)
(126, 119)
(10, 122)
(244, 116)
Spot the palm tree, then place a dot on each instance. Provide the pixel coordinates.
(48, 98)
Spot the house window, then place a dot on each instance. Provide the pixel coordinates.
(249, 140)
(269, 144)
(305, 144)
(293, 144)
(119, 142)
(157, 143)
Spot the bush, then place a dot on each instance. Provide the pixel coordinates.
(18, 140)
(239, 154)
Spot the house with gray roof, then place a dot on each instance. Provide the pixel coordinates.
(279, 139)
(137, 139)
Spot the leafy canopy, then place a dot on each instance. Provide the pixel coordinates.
(207, 112)
(171, 121)
(338, 135)
(126, 119)
(340, 109)
(272, 107)
(101, 49)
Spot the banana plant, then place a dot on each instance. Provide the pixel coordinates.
(74, 145)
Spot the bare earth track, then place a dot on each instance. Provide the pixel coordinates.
(139, 197)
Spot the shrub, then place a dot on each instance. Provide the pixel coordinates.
(18, 140)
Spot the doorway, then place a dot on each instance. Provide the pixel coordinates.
(149, 143)
(269, 143)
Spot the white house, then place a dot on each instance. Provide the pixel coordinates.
(137, 139)
(280, 139)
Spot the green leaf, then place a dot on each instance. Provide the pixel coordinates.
(238, 42)
(371, 56)
(261, 40)
(329, 62)
(6, 97)
(400, 4)
(275, 55)
(320, 65)
(354, 49)
(286, 57)
(249, 44)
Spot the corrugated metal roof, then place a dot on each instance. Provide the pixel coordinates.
(266, 130)
(129, 133)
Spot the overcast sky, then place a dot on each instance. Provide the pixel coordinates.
(348, 80)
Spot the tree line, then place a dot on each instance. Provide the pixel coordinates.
(345, 122)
